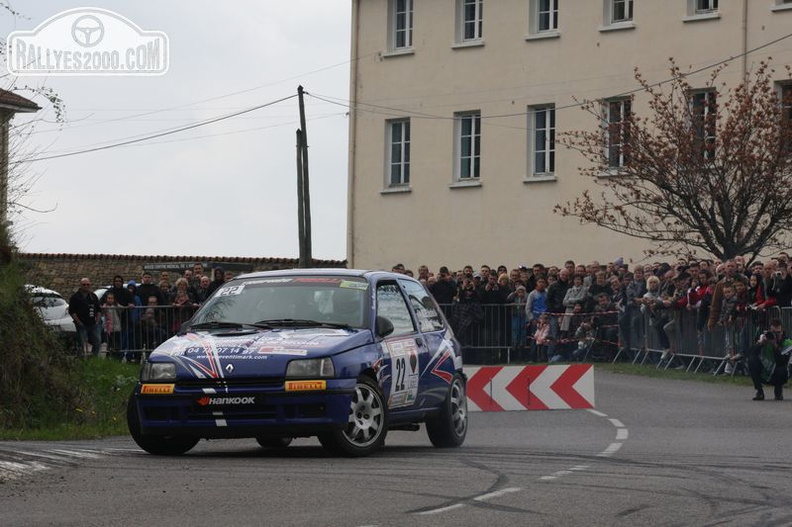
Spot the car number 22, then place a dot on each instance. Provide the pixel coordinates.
(403, 355)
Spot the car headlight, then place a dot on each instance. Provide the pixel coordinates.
(158, 371)
(304, 368)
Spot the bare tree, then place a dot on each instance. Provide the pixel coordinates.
(708, 169)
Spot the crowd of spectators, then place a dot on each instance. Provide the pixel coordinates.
(542, 313)
(553, 313)
(131, 316)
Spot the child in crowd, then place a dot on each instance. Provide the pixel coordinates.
(112, 326)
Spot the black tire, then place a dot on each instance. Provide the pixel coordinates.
(171, 445)
(274, 441)
(368, 423)
(449, 428)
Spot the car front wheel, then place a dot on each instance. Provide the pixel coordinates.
(449, 428)
(367, 427)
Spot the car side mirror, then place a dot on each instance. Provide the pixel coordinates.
(384, 327)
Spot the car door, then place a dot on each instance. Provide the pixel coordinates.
(404, 352)
(443, 356)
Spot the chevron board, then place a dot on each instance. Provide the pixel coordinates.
(555, 387)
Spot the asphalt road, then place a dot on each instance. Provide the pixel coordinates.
(654, 452)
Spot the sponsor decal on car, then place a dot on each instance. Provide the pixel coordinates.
(348, 284)
(157, 389)
(225, 401)
(305, 386)
(403, 355)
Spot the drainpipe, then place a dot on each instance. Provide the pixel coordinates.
(353, 96)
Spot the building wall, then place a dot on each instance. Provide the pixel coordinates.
(509, 218)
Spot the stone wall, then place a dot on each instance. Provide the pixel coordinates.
(62, 272)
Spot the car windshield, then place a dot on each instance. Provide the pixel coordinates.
(47, 301)
(290, 301)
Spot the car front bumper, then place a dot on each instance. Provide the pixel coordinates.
(243, 410)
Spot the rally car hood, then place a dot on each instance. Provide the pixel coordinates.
(251, 354)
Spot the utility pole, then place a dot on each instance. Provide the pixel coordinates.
(303, 189)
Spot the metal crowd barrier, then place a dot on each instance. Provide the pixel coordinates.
(495, 334)
(141, 328)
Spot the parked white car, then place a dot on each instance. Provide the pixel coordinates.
(53, 308)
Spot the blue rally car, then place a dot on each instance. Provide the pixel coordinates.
(340, 354)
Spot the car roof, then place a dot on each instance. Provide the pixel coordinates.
(332, 271)
(40, 291)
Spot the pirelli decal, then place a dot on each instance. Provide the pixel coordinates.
(157, 389)
(305, 386)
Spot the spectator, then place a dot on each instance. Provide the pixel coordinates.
(768, 361)
(202, 293)
(131, 340)
(147, 288)
(219, 279)
(468, 311)
(555, 301)
(607, 328)
(726, 319)
(729, 276)
(183, 309)
(632, 319)
(85, 310)
(151, 330)
(112, 326)
(443, 290)
(542, 339)
(517, 301)
(781, 285)
(182, 286)
(576, 293)
(165, 293)
(655, 307)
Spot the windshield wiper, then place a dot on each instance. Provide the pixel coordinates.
(223, 324)
(302, 322)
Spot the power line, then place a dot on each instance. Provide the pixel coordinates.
(210, 99)
(401, 112)
(156, 135)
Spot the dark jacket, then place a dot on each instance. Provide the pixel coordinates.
(555, 296)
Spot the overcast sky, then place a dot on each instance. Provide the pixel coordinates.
(225, 189)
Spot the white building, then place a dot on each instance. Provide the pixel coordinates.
(455, 104)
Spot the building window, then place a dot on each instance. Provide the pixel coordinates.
(617, 131)
(541, 140)
(401, 24)
(785, 96)
(399, 153)
(702, 7)
(470, 15)
(543, 16)
(468, 145)
(704, 112)
(620, 11)
(782, 5)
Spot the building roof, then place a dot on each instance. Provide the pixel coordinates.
(17, 103)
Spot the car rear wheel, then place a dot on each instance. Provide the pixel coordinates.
(159, 445)
(274, 441)
(368, 423)
(448, 430)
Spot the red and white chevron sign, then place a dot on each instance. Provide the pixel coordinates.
(556, 387)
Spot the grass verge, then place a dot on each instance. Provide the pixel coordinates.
(104, 386)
